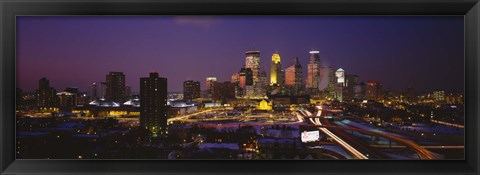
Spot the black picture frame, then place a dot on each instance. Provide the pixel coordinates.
(11, 8)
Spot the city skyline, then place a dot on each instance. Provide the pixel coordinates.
(75, 56)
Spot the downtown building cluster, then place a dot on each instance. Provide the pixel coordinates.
(250, 82)
(284, 87)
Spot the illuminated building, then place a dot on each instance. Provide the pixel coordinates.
(246, 77)
(276, 71)
(134, 102)
(94, 91)
(80, 97)
(373, 90)
(209, 82)
(264, 105)
(75, 92)
(67, 101)
(115, 90)
(252, 61)
(153, 104)
(293, 77)
(191, 90)
(454, 98)
(341, 82)
(45, 94)
(313, 78)
(235, 78)
(439, 96)
(104, 103)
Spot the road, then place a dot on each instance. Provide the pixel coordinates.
(422, 151)
(354, 152)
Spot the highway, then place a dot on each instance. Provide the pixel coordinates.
(421, 150)
(354, 152)
(354, 146)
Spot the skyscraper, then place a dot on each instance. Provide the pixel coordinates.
(328, 81)
(153, 104)
(246, 77)
(94, 90)
(352, 82)
(252, 61)
(103, 90)
(46, 95)
(294, 76)
(67, 101)
(313, 78)
(263, 80)
(235, 78)
(373, 90)
(276, 71)
(209, 82)
(191, 90)
(341, 83)
(115, 87)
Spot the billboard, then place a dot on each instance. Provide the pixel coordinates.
(310, 136)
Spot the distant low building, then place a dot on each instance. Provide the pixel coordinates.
(264, 105)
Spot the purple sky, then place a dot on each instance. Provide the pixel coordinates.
(423, 51)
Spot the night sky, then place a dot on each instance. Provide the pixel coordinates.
(426, 52)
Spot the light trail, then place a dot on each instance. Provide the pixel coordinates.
(447, 124)
(189, 115)
(337, 139)
(426, 147)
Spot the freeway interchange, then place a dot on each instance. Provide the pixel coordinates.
(345, 136)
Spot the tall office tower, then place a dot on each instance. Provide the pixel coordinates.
(313, 78)
(275, 70)
(328, 81)
(340, 74)
(252, 61)
(191, 90)
(209, 82)
(153, 104)
(128, 92)
(67, 101)
(359, 91)
(263, 79)
(103, 90)
(246, 77)
(261, 87)
(349, 91)
(235, 79)
(115, 87)
(94, 90)
(46, 95)
(76, 94)
(341, 82)
(373, 90)
(293, 77)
